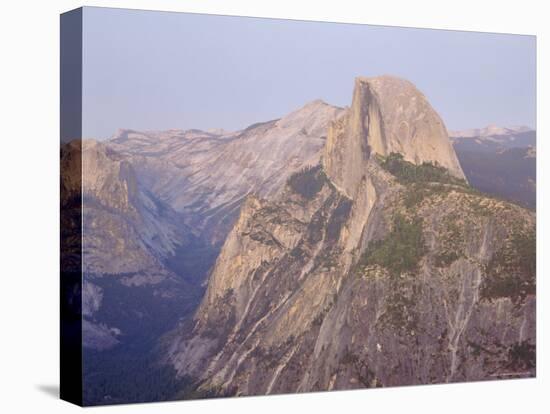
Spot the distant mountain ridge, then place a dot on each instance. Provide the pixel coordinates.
(206, 175)
(488, 131)
(503, 164)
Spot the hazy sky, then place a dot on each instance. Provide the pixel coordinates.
(157, 70)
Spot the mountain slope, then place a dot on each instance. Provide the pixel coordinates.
(503, 164)
(206, 176)
(366, 270)
(127, 236)
(140, 230)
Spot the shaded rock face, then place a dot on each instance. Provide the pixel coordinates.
(354, 276)
(124, 229)
(387, 115)
(127, 236)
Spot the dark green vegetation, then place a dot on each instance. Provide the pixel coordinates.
(401, 250)
(308, 181)
(451, 242)
(511, 273)
(416, 193)
(421, 181)
(409, 173)
(505, 172)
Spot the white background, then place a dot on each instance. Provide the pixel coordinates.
(29, 131)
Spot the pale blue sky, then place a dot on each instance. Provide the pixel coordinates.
(157, 70)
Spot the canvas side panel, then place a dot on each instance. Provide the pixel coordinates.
(71, 207)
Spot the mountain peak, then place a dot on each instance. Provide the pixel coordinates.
(388, 114)
(386, 82)
(312, 118)
(316, 103)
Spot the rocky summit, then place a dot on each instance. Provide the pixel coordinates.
(378, 266)
(387, 115)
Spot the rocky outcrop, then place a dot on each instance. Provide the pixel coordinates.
(367, 271)
(387, 115)
(124, 229)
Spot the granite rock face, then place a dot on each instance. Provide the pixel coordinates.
(207, 175)
(124, 229)
(367, 270)
(387, 115)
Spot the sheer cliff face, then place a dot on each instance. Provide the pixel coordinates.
(387, 115)
(367, 271)
(124, 229)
